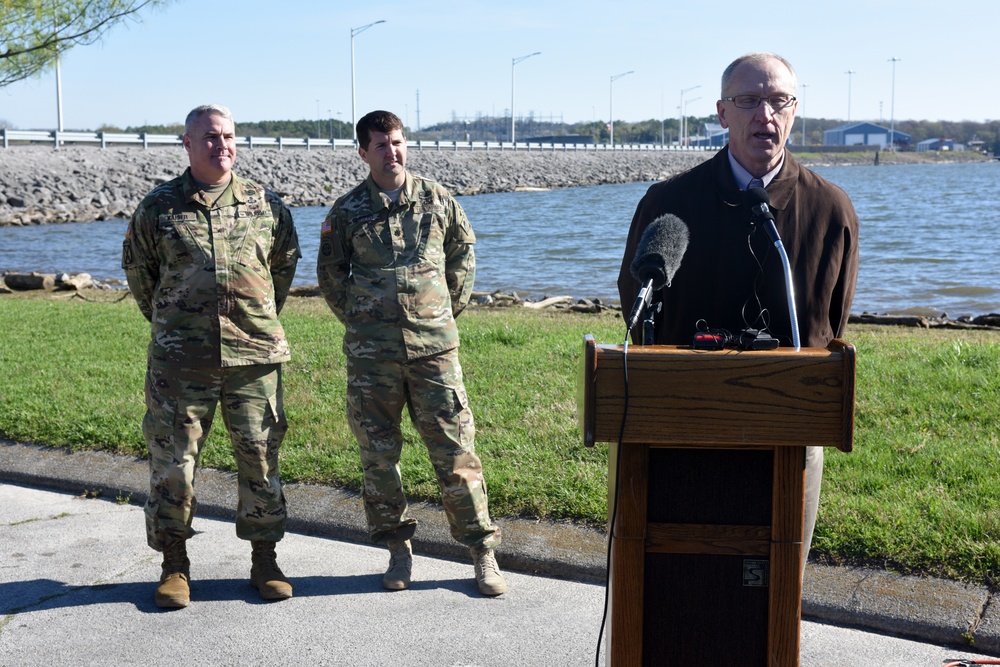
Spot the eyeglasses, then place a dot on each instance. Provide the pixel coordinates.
(776, 102)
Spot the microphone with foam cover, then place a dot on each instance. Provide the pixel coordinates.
(657, 257)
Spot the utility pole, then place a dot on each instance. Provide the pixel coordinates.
(849, 74)
(892, 106)
(418, 109)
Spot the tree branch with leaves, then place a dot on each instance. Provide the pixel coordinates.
(34, 32)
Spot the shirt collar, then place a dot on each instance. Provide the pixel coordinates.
(375, 192)
(743, 177)
(193, 193)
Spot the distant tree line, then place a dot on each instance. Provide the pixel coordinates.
(322, 129)
(652, 131)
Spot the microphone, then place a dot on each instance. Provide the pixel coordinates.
(758, 200)
(657, 258)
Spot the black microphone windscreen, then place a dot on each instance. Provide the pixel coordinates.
(660, 250)
(756, 196)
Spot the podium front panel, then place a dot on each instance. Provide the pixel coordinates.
(710, 486)
(707, 562)
(701, 612)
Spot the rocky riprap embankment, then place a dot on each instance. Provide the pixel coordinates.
(81, 184)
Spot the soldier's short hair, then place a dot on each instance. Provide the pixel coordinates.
(380, 121)
(199, 111)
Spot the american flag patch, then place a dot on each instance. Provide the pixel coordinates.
(327, 226)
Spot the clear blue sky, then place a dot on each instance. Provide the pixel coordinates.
(271, 60)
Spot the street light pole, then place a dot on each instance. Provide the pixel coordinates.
(849, 74)
(685, 113)
(59, 108)
(611, 126)
(354, 104)
(682, 121)
(513, 62)
(892, 106)
(59, 105)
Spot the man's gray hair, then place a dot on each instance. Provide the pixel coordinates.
(755, 58)
(198, 112)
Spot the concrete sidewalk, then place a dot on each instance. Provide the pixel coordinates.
(344, 573)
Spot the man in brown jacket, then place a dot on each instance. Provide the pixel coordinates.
(731, 276)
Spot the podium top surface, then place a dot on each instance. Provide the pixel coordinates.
(679, 396)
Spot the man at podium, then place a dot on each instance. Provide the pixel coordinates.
(731, 277)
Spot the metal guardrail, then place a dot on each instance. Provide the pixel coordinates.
(57, 139)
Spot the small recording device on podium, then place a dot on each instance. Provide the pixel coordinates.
(712, 339)
(755, 339)
(706, 338)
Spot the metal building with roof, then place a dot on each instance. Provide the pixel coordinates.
(864, 134)
(939, 144)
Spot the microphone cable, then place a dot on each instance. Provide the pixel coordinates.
(613, 510)
(762, 320)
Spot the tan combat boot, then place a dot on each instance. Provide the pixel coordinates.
(265, 575)
(173, 591)
(488, 576)
(397, 577)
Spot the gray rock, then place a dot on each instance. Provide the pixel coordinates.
(78, 281)
(83, 183)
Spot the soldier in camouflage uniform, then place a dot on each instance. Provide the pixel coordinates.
(209, 258)
(396, 266)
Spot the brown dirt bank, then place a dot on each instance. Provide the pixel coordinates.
(40, 184)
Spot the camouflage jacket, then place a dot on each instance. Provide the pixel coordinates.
(211, 279)
(398, 274)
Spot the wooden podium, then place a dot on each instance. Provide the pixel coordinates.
(706, 550)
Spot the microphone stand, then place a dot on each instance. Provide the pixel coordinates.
(790, 292)
(762, 213)
(648, 323)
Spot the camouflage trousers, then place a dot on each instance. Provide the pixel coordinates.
(433, 390)
(180, 407)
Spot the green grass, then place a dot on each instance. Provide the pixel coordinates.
(918, 494)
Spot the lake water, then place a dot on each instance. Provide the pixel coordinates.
(930, 236)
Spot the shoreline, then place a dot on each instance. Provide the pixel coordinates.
(81, 286)
(42, 185)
